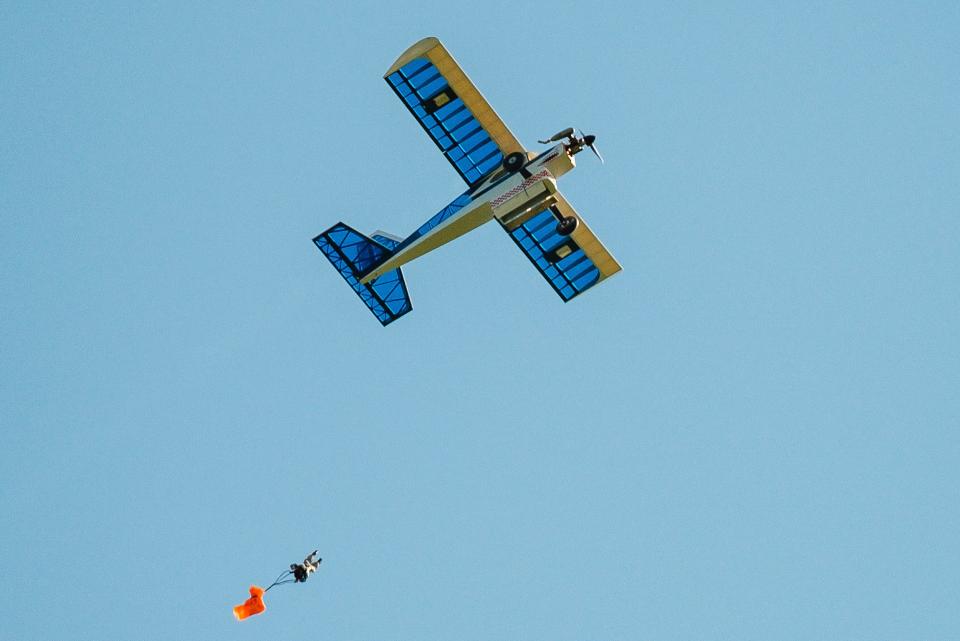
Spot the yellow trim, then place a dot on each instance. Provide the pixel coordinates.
(434, 51)
(588, 242)
(416, 50)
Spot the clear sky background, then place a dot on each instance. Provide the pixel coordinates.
(749, 433)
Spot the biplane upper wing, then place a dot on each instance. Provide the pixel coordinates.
(451, 110)
(571, 264)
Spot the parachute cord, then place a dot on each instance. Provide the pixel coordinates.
(279, 582)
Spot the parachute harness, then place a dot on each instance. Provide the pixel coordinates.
(281, 582)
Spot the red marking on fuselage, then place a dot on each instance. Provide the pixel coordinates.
(537, 177)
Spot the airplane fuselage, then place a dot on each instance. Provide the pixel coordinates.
(504, 196)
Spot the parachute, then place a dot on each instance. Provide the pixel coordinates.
(299, 571)
(253, 605)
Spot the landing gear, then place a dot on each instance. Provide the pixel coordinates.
(567, 225)
(514, 162)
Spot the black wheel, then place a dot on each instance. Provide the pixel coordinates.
(514, 162)
(566, 225)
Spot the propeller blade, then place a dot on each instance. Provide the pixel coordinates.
(594, 149)
(588, 140)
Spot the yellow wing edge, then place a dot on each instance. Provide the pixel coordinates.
(584, 237)
(433, 50)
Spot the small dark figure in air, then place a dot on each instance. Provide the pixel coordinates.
(302, 570)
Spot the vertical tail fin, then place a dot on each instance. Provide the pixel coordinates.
(353, 254)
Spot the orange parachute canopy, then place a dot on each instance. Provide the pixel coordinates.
(253, 605)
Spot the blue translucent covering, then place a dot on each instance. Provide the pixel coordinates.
(389, 243)
(353, 254)
(446, 118)
(539, 240)
(459, 203)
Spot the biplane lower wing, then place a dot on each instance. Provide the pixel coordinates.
(571, 264)
(353, 254)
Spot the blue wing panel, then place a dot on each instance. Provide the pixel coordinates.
(353, 254)
(558, 258)
(459, 203)
(447, 120)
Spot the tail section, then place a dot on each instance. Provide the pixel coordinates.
(354, 255)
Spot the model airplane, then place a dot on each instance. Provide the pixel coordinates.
(506, 183)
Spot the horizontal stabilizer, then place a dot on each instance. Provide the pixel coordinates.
(353, 254)
(388, 240)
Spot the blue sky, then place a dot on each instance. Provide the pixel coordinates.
(749, 433)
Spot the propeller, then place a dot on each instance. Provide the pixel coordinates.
(576, 143)
(588, 141)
